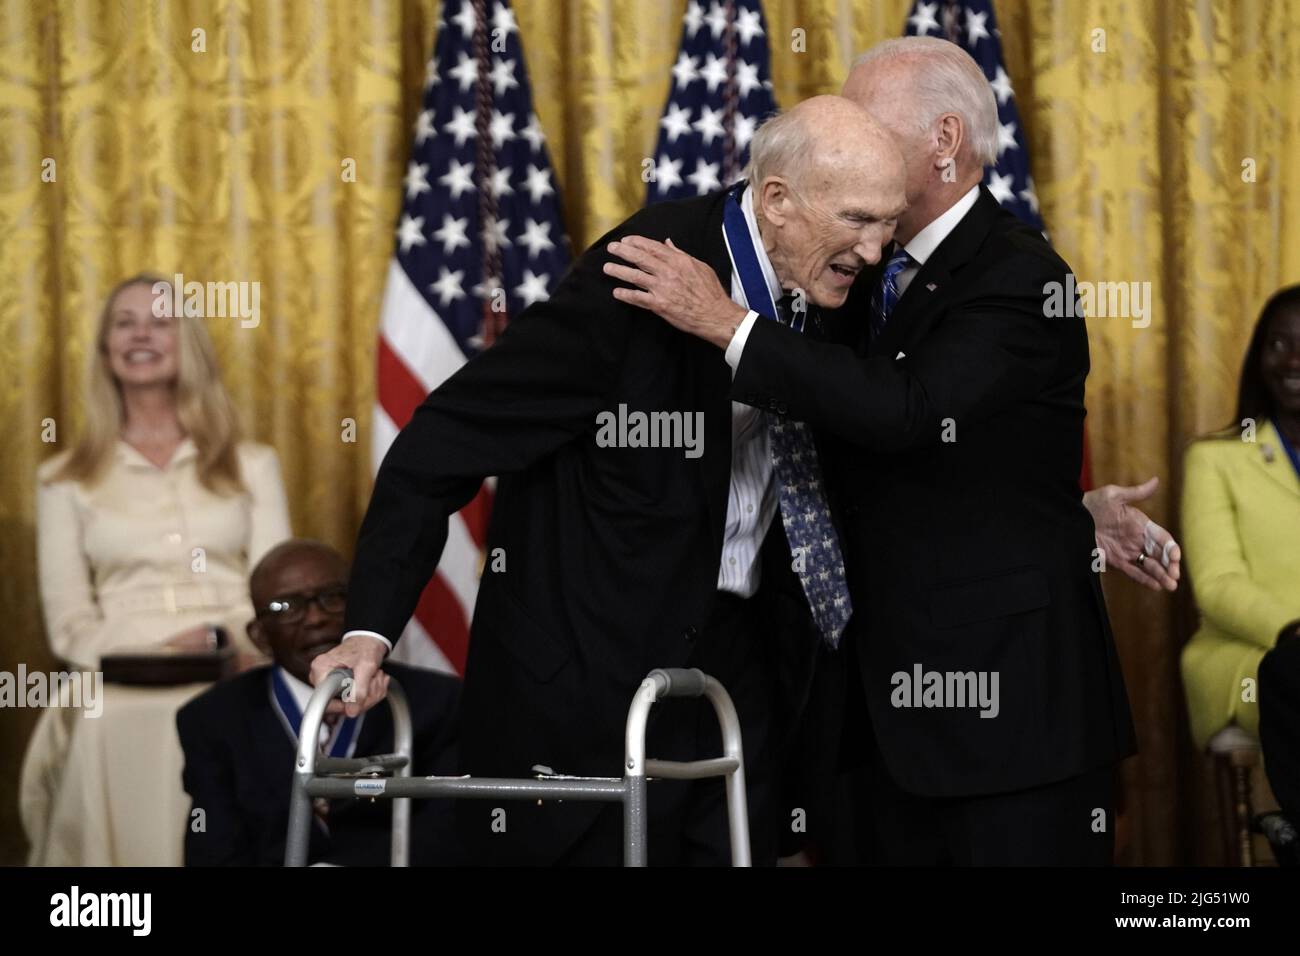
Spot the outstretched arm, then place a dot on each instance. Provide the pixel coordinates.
(1132, 542)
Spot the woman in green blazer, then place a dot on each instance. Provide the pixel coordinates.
(1241, 533)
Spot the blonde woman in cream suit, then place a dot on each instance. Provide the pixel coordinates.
(146, 529)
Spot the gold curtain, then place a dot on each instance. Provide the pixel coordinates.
(228, 162)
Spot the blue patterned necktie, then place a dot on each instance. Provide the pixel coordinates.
(807, 519)
(886, 295)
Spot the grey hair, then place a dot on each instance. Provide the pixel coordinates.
(952, 82)
(780, 147)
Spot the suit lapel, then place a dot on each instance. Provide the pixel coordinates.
(927, 294)
(276, 750)
(712, 379)
(915, 311)
(1271, 458)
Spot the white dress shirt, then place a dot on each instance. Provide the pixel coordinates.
(927, 240)
(751, 499)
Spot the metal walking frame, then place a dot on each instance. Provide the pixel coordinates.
(388, 776)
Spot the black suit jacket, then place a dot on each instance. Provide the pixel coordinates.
(611, 553)
(239, 762)
(969, 555)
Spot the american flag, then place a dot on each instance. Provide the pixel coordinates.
(721, 90)
(972, 26)
(479, 239)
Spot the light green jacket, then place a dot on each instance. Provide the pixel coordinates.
(1241, 542)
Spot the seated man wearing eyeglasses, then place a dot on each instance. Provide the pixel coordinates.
(240, 736)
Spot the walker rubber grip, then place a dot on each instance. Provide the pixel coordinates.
(348, 681)
(680, 681)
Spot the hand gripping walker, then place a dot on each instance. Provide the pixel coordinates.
(388, 776)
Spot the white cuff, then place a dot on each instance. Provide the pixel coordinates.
(737, 343)
(379, 637)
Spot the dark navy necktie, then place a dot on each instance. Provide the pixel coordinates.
(814, 545)
(886, 295)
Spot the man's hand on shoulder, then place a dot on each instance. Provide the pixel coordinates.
(363, 656)
(676, 287)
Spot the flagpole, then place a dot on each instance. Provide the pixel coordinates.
(951, 13)
(730, 98)
(484, 169)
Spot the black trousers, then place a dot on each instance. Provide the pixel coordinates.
(1066, 823)
(1059, 824)
(1279, 723)
(687, 819)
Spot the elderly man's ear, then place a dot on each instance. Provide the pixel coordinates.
(773, 200)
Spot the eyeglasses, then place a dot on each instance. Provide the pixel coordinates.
(290, 608)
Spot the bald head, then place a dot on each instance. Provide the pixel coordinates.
(279, 568)
(822, 131)
(828, 184)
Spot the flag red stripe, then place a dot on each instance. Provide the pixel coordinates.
(400, 391)
(443, 618)
(439, 610)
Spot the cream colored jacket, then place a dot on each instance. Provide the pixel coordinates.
(149, 552)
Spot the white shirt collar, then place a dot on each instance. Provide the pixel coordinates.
(928, 239)
(769, 273)
(301, 692)
(184, 452)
